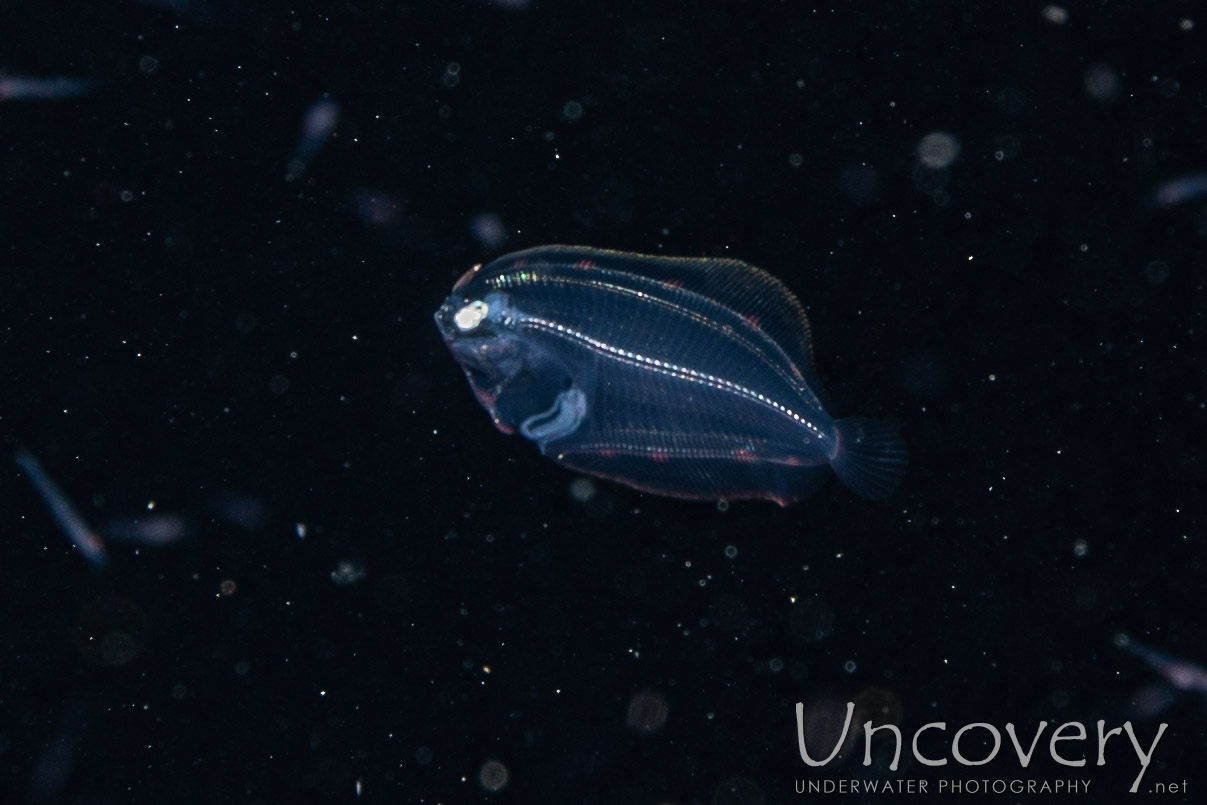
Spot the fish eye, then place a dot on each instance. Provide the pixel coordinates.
(471, 315)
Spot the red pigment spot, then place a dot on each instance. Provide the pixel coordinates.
(487, 399)
(585, 264)
(523, 261)
(745, 456)
(607, 453)
(466, 277)
(659, 458)
(792, 461)
(753, 321)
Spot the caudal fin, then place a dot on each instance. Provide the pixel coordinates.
(870, 457)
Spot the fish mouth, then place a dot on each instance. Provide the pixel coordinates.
(444, 318)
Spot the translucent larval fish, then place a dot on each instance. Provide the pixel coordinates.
(686, 377)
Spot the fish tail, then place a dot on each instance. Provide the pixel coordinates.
(869, 457)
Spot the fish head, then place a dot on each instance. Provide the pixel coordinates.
(481, 334)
